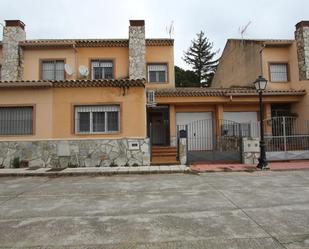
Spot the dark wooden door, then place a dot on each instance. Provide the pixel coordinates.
(158, 122)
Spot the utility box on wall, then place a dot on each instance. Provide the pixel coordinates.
(133, 145)
(251, 145)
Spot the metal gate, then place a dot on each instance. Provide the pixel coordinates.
(287, 139)
(210, 141)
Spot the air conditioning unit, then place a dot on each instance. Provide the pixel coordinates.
(151, 98)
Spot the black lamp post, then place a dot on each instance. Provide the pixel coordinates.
(260, 86)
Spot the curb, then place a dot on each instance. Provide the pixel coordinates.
(64, 174)
(246, 171)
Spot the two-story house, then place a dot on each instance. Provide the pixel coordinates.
(285, 65)
(106, 102)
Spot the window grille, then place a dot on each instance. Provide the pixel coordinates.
(53, 70)
(102, 70)
(151, 99)
(278, 72)
(16, 120)
(97, 119)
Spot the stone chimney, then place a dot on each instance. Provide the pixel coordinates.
(137, 50)
(12, 66)
(302, 39)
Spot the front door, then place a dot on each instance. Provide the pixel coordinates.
(158, 125)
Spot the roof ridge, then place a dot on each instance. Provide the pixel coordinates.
(262, 40)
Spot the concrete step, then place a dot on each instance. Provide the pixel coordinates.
(165, 163)
(158, 154)
(164, 149)
(164, 160)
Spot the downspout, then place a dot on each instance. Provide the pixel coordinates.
(75, 60)
(261, 59)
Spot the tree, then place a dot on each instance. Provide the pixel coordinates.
(201, 58)
(186, 78)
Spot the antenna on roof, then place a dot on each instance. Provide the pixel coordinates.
(243, 29)
(170, 30)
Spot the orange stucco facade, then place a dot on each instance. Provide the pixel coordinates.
(54, 110)
(41, 100)
(83, 56)
(263, 53)
(54, 113)
(132, 123)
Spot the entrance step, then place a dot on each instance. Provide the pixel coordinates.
(164, 149)
(164, 156)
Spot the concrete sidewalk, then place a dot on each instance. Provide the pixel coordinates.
(94, 171)
(234, 167)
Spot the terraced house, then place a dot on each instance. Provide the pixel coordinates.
(108, 102)
(285, 64)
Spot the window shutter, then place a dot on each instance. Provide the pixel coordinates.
(111, 108)
(157, 68)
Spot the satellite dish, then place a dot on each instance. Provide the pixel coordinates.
(68, 69)
(83, 70)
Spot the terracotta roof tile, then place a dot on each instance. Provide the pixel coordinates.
(208, 92)
(73, 83)
(159, 42)
(91, 42)
(25, 84)
(100, 83)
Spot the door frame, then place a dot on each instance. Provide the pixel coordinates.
(165, 110)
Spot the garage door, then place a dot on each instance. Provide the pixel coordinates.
(200, 129)
(248, 120)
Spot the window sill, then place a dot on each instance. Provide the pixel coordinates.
(18, 135)
(165, 82)
(97, 133)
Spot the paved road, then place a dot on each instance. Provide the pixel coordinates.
(216, 210)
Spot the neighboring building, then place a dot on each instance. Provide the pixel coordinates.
(96, 102)
(284, 63)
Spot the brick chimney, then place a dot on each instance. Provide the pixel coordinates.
(302, 39)
(12, 66)
(137, 50)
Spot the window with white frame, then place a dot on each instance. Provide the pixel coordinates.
(16, 120)
(97, 119)
(279, 72)
(157, 73)
(53, 70)
(102, 69)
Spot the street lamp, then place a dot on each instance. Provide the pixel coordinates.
(260, 86)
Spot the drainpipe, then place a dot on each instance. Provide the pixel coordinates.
(75, 58)
(261, 59)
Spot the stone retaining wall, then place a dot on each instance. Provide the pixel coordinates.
(76, 153)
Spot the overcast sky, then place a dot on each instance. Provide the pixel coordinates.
(109, 19)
